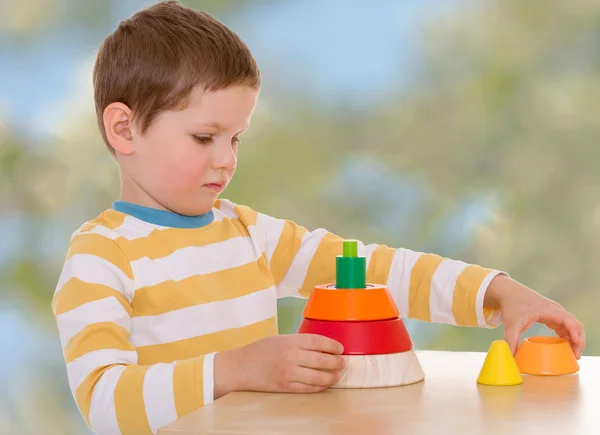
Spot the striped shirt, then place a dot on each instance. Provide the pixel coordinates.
(142, 306)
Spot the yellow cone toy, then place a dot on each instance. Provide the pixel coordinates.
(500, 367)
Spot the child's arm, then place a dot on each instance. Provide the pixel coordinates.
(424, 286)
(113, 392)
(118, 396)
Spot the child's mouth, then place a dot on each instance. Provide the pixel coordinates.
(217, 187)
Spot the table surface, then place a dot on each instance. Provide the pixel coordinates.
(449, 401)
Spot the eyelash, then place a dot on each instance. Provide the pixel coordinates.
(207, 140)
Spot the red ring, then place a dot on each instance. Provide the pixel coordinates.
(362, 338)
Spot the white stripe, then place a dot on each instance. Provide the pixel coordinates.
(204, 319)
(194, 260)
(366, 251)
(95, 270)
(363, 250)
(208, 380)
(98, 229)
(80, 368)
(399, 277)
(159, 396)
(103, 231)
(481, 321)
(133, 228)
(218, 215)
(258, 239)
(296, 274)
(228, 208)
(103, 416)
(104, 310)
(272, 229)
(441, 296)
(286, 292)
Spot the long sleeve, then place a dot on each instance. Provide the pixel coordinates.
(92, 308)
(424, 286)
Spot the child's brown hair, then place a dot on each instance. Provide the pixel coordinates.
(154, 59)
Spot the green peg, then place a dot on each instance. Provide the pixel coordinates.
(350, 268)
(350, 248)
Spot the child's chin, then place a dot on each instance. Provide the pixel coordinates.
(195, 209)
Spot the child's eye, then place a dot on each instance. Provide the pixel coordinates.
(203, 140)
(235, 141)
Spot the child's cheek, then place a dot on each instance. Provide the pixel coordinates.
(187, 173)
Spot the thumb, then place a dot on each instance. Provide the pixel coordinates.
(512, 334)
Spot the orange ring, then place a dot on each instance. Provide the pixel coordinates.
(547, 356)
(329, 303)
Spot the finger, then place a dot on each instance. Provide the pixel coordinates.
(319, 343)
(314, 377)
(512, 333)
(320, 360)
(578, 339)
(583, 340)
(563, 319)
(564, 334)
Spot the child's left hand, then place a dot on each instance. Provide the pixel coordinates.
(521, 307)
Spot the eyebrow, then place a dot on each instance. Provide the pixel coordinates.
(214, 124)
(217, 125)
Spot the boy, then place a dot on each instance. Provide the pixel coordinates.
(167, 300)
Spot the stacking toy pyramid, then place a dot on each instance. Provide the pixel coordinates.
(365, 320)
(500, 367)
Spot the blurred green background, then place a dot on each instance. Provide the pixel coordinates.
(465, 128)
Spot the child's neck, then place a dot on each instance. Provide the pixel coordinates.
(164, 218)
(134, 194)
(135, 202)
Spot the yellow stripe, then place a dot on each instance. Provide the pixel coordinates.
(83, 394)
(488, 314)
(76, 292)
(246, 215)
(420, 286)
(188, 385)
(380, 264)
(202, 289)
(215, 342)
(97, 336)
(321, 269)
(89, 226)
(129, 401)
(464, 302)
(287, 248)
(159, 244)
(112, 219)
(100, 246)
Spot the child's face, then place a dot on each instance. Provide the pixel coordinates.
(187, 158)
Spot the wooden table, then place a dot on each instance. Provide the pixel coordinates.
(449, 401)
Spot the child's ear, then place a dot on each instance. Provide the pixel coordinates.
(118, 125)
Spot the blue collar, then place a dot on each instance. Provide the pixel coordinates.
(162, 217)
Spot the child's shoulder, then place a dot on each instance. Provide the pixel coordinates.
(225, 208)
(98, 236)
(113, 230)
(111, 224)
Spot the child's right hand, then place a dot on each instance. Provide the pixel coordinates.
(298, 363)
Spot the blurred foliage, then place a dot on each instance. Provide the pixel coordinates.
(499, 118)
(496, 114)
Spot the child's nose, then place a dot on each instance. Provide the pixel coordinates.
(225, 157)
